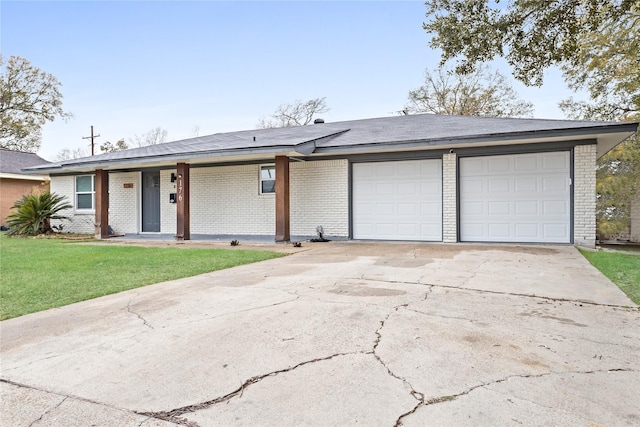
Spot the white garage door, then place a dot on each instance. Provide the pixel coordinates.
(398, 200)
(515, 198)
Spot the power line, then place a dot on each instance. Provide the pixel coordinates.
(92, 137)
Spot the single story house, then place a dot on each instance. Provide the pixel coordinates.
(14, 183)
(415, 178)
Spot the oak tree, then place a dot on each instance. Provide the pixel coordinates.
(29, 98)
(480, 93)
(530, 35)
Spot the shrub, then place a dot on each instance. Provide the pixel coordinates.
(33, 213)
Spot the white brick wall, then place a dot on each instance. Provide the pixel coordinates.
(79, 222)
(227, 200)
(124, 203)
(634, 234)
(319, 194)
(584, 195)
(449, 201)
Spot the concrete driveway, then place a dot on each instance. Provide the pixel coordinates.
(339, 334)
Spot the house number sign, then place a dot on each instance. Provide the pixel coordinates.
(180, 187)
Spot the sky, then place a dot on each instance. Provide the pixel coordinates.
(127, 67)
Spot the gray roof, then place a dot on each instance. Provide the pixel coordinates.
(14, 161)
(420, 131)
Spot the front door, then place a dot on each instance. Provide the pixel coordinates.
(151, 201)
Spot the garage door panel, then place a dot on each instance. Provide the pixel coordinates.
(407, 197)
(552, 231)
(500, 185)
(499, 208)
(527, 207)
(408, 188)
(555, 183)
(527, 231)
(555, 161)
(498, 164)
(408, 209)
(515, 198)
(526, 163)
(526, 184)
(499, 230)
(555, 207)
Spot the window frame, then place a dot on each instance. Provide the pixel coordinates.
(92, 192)
(261, 180)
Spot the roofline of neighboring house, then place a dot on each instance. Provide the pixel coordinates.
(24, 177)
(598, 130)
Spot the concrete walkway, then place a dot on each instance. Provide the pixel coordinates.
(339, 334)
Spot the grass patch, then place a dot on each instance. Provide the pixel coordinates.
(623, 269)
(38, 274)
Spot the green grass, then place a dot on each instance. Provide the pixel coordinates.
(38, 274)
(623, 269)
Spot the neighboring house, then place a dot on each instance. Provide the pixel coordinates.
(415, 178)
(13, 182)
(634, 231)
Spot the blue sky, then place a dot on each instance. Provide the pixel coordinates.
(129, 66)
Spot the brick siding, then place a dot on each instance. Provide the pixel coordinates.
(11, 190)
(449, 199)
(584, 195)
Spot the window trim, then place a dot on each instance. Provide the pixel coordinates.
(260, 180)
(92, 192)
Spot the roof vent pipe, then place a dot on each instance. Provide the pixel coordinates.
(318, 121)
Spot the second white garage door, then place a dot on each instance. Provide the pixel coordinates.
(521, 198)
(398, 200)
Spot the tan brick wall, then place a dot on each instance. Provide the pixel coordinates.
(13, 189)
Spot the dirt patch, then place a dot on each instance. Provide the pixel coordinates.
(403, 262)
(365, 291)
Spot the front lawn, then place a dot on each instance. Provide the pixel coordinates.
(623, 269)
(38, 274)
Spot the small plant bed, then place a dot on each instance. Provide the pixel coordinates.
(41, 273)
(623, 269)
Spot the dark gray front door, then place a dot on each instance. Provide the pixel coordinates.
(151, 201)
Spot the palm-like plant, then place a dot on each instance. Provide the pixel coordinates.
(33, 213)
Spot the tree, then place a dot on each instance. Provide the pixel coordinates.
(617, 181)
(299, 113)
(155, 136)
(109, 147)
(29, 98)
(33, 213)
(68, 154)
(530, 35)
(481, 93)
(607, 65)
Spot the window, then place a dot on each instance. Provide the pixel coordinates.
(267, 179)
(85, 192)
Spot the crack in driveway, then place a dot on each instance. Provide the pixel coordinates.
(138, 315)
(174, 415)
(515, 294)
(48, 410)
(447, 398)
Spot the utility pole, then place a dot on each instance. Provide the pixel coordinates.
(92, 137)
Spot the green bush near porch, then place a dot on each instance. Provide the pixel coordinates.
(38, 274)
